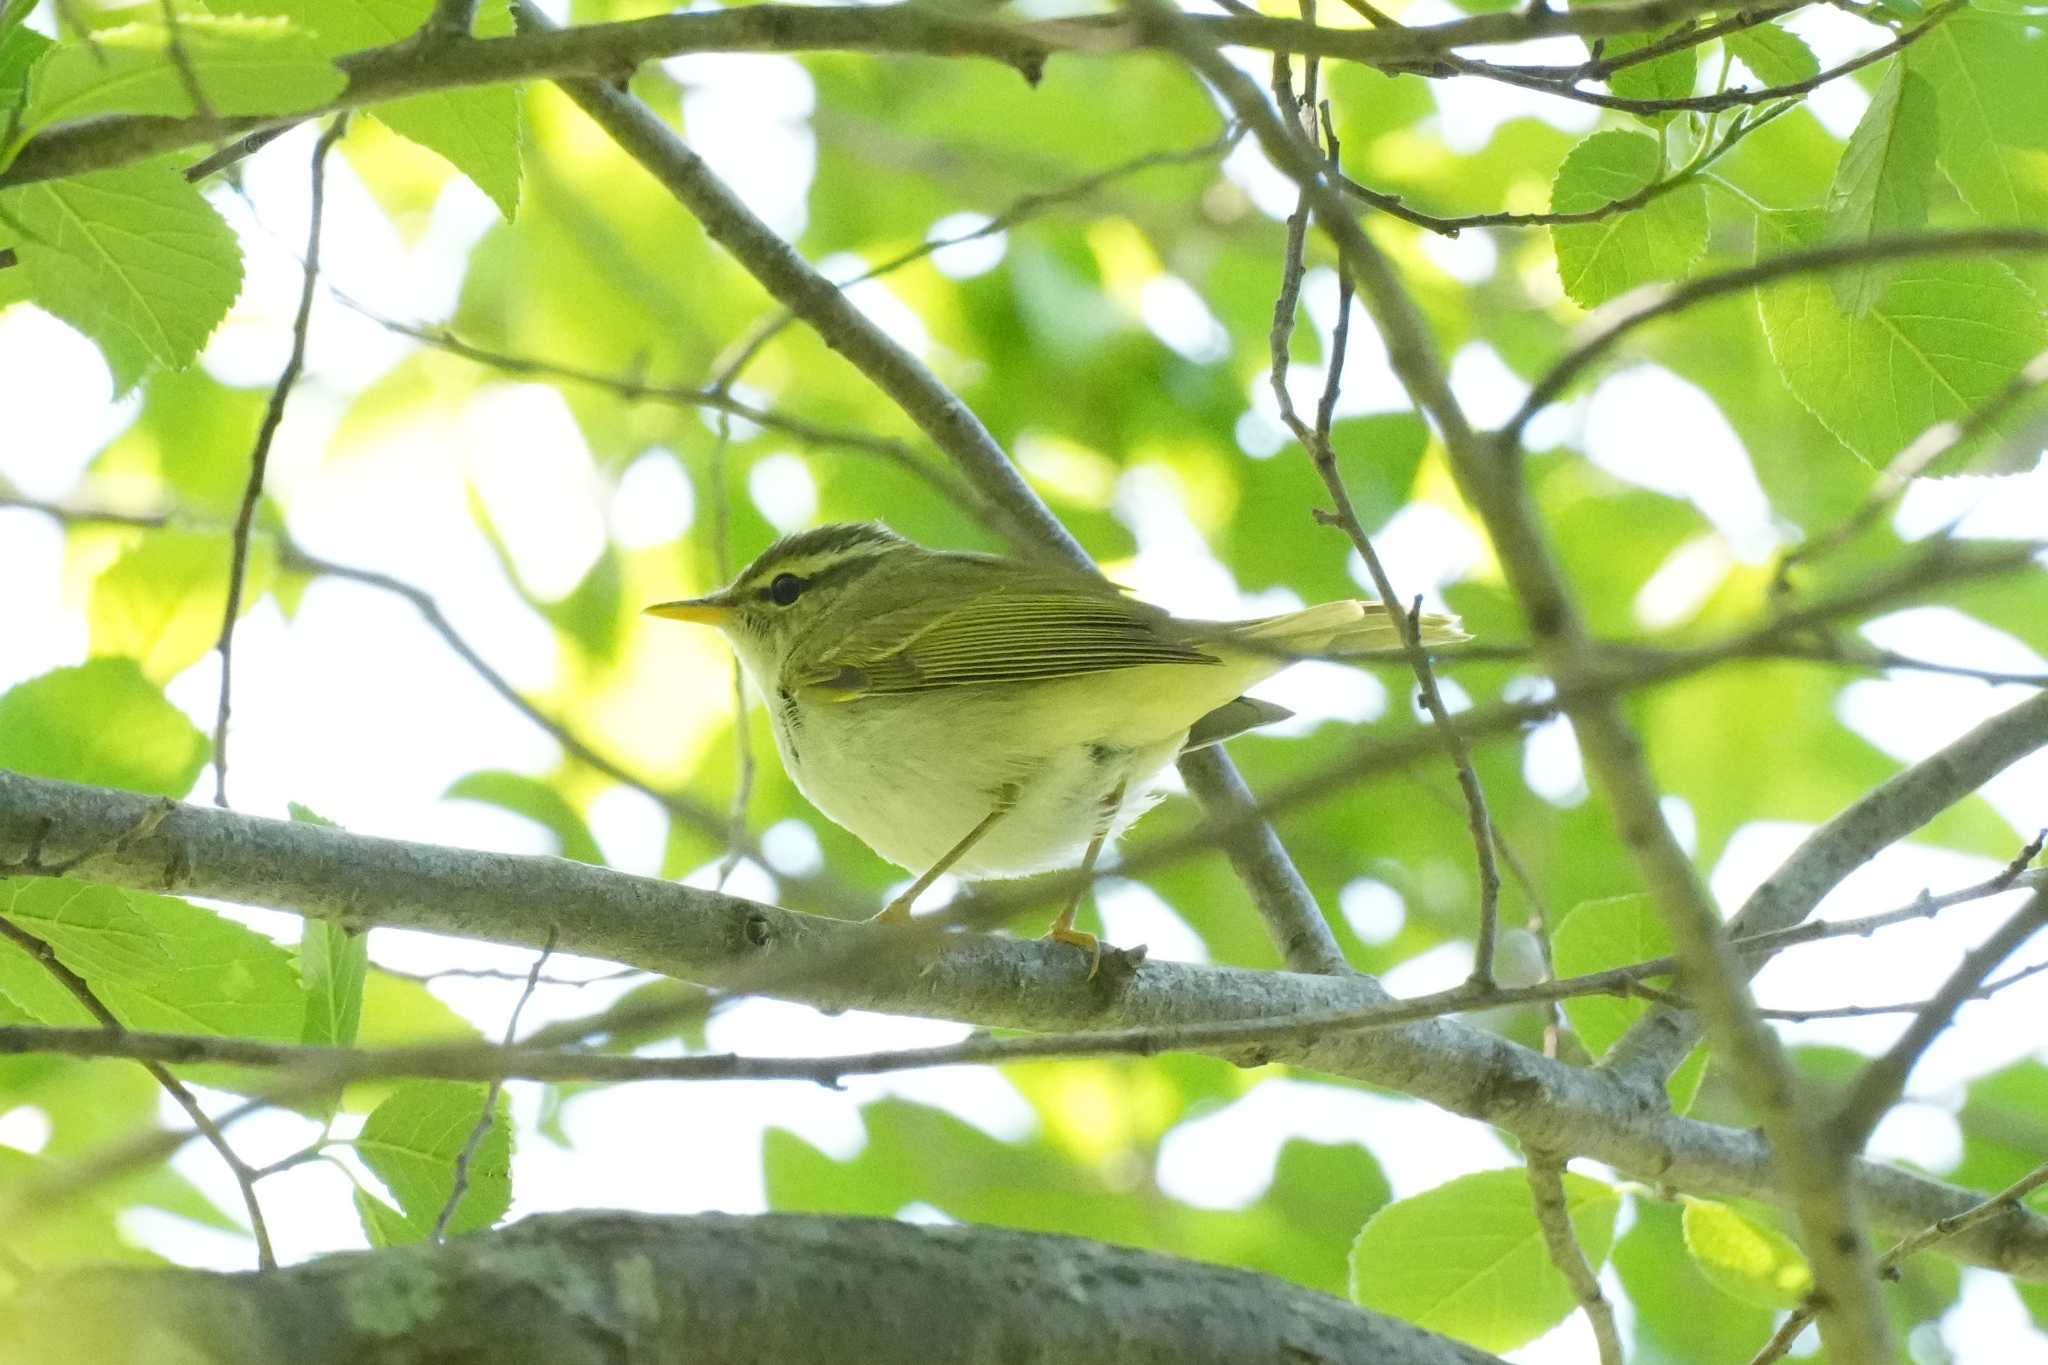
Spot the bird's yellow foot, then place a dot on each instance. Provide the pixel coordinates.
(895, 912)
(1087, 943)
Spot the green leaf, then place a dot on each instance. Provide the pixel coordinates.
(1603, 934)
(1668, 77)
(538, 802)
(134, 257)
(383, 1225)
(1468, 1259)
(477, 130)
(243, 65)
(1680, 1319)
(161, 963)
(161, 602)
(1745, 1259)
(1773, 55)
(1991, 80)
(1943, 337)
(101, 723)
(334, 964)
(411, 1141)
(1882, 184)
(20, 49)
(1659, 241)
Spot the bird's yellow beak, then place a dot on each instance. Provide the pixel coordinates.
(703, 611)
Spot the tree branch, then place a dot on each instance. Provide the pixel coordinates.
(980, 979)
(1655, 1045)
(740, 1291)
(611, 52)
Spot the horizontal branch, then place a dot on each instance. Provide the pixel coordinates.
(715, 1287)
(613, 51)
(978, 979)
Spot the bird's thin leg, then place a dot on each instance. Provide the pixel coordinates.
(1063, 930)
(898, 910)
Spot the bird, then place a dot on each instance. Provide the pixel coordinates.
(993, 717)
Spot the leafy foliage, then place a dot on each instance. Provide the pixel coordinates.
(1115, 337)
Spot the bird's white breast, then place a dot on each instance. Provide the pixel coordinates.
(912, 775)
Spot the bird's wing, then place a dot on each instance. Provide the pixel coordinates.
(1040, 628)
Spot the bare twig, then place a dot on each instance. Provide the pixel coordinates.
(814, 889)
(1651, 303)
(489, 1117)
(1316, 441)
(2005, 1204)
(1735, 98)
(715, 398)
(111, 1027)
(1880, 1083)
(1910, 463)
(259, 457)
(1553, 1215)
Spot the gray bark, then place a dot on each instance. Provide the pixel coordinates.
(785, 1289)
(974, 978)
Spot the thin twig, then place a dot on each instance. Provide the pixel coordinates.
(1553, 1215)
(1910, 463)
(1020, 210)
(1881, 1082)
(1721, 101)
(259, 456)
(111, 1027)
(713, 398)
(2006, 1202)
(489, 1117)
(1651, 303)
(816, 889)
(1316, 441)
(1733, 135)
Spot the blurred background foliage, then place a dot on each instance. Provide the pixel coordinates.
(1116, 341)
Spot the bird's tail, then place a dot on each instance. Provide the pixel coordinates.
(1346, 627)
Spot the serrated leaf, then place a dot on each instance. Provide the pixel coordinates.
(162, 963)
(1743, 1258)
(1668, 77)
(411, 1141)
(1774, 56)
(101, 723)
(1943, 337)
(334, 964)
(160, 603)
(477, 130)
(242, 64)
(538, 802)
(1991, 80)
(1882, 184)
(133, 257)
(1659, 241)
(1468, 1259)
(1596, 936)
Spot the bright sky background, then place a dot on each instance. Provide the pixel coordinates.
(373, 747)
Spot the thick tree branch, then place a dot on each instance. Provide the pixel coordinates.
(611, 52)
(979, 979)
(562, 1289)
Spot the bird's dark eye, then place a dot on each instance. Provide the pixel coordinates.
(786, 588)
